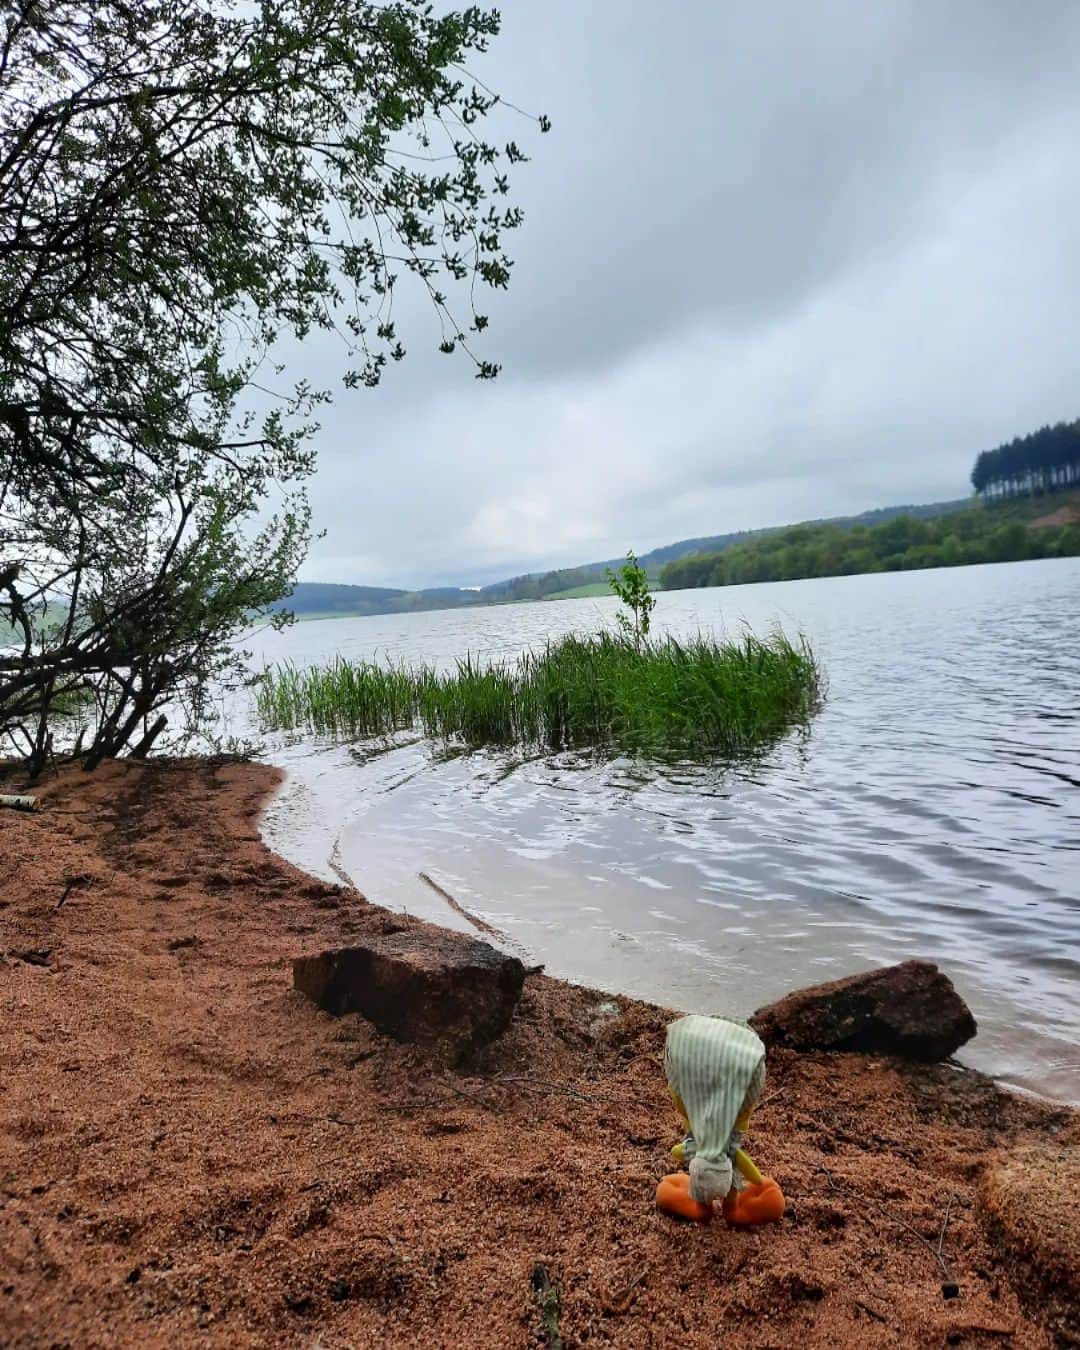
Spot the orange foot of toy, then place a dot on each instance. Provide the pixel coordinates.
(755, 1204)
(673, 1197)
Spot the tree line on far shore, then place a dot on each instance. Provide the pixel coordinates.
(979, 535)
(1047, 460)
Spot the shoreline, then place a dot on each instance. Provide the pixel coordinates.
(190, 1150)
(542, 908)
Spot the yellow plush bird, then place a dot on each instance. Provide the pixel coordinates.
(716, 1074)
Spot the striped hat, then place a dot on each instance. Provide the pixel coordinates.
(717, 1067)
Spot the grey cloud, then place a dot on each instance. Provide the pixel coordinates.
(730, 160)
(779, 261)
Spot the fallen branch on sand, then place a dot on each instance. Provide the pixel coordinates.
(18, 802)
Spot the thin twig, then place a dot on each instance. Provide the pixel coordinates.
(419, 1104)
(543, 1085)
(944, 1226)
(617, 1306)
(470, 1096)
(424, 1103)
(76, 883)
(513, 1080)
(934, 1251)
(294, 1117)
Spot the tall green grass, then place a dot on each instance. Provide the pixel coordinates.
(675, 699)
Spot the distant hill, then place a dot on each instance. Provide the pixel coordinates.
(1008, 529)
(580, 580)
(321, 600)
(314, 599)
(716, 543)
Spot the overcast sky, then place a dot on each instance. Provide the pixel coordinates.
(780, 261)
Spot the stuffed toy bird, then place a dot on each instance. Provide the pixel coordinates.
(716, 1073)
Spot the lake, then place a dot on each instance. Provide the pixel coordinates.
(933, 809)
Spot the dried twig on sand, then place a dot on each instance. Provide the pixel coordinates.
(521, 1081)
(935, 1252)
(18, 802)
(944, 1226)
(562, 1089)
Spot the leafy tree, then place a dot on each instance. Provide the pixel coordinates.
(631, 584)
(1009, 543)
(183, 182)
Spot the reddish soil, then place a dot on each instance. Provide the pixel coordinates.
(1064, 515)
(192, 1153)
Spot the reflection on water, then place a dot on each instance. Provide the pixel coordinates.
(934, 809)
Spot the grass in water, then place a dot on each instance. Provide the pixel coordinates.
(691, 699)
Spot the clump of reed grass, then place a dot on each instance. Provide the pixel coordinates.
(696, 698)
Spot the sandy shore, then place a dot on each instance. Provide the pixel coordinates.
(193, 1153)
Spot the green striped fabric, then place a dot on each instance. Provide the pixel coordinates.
(717, 1067)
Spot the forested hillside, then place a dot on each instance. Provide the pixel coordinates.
(981, 534)
(1047, 461)
(543, 585)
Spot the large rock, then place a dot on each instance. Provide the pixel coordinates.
(418, 985)
(1030, 1202)
(911, 1010)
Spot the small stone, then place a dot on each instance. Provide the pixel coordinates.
(911, 1010)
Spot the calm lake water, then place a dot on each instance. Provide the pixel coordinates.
(933, 810)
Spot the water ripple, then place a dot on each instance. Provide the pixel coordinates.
(934, 809)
